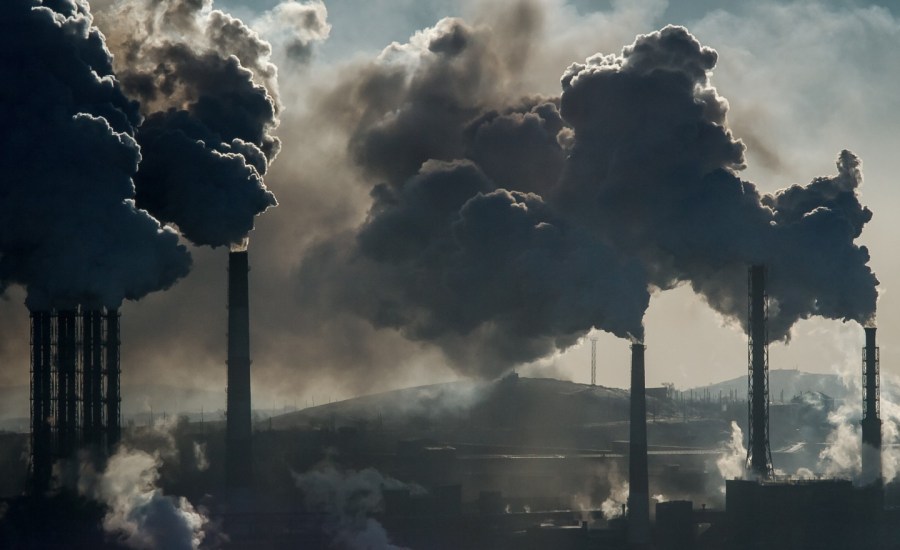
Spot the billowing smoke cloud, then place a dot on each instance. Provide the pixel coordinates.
(139, 514)
(653, 169)
(209, 94)
(347, 500)
(616, 504)
(69, 229)
(843, 451)
(296, 27)
(503, 228)
(732, 462)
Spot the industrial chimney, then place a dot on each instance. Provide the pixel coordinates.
(113, 377)
(638, 484)
(759, 456)
(67, 385)
(238, 454)
(871, 421)
(41, 400)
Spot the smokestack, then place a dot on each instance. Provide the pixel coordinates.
(41, 400)
(638, 484)
(238, 454)
(67, 385)
(66, 366)
(871, 420)
(113, 374)
(760, 457)
(91, 376)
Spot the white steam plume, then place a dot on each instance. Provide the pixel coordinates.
(347, 499)
(732, 460)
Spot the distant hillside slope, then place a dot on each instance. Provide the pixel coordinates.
(511, 401)
(783, 382)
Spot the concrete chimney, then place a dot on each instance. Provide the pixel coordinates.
(760, 457)
(638, 484)
(871, 420)
(238, 434)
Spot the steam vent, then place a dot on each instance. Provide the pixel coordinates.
(74, 385)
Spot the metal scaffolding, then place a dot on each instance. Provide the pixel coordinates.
(68, 388)
(759, 456)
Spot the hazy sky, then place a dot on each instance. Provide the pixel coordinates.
(803, 81)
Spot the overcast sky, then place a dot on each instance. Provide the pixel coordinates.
(803, 81)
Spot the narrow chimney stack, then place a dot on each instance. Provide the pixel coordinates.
(871, 420)
(238, 454)
(113, 377)
(42, 409)
(638, 484)
(68, 394)
(760, 457)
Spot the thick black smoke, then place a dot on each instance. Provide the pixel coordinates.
(503, 228)
(459, 247)
(207, 139)
(653, 172)
(69, 229)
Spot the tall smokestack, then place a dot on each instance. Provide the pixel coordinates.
(113, 375)
(91, 376)
(760, 457)
(66, 366)
(871, 421)
(238, 467)
(638, 485)
(41, 400)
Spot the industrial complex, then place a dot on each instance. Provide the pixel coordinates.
(449, 487)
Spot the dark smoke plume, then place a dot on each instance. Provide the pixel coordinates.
(207, 139)
(503, 228)
(653, 172)
(69, 229)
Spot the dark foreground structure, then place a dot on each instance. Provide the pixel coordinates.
(75, 396)
(238, 441)
(759, 456)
